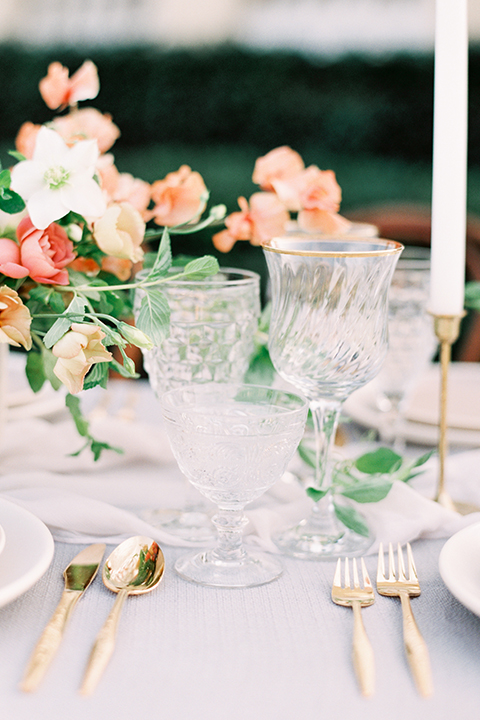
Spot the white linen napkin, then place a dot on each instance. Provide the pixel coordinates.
(84, 501)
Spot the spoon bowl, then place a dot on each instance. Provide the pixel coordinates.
(136, 566)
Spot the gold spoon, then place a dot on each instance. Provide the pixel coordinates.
(136, 566)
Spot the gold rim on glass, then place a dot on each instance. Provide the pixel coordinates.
(389, 247)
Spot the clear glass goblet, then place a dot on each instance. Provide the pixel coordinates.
(232, 442)
(412, 342)
(328, 336)
(213, 322)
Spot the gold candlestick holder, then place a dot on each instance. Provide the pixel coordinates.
(447, 330)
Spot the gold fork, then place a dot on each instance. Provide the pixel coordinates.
(405, 588)
(356, 598)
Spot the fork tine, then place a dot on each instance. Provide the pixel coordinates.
(366, 578)
(356, 583)
(412, 570)
(401, 566)
(347, 574)
(380, 564)
(391, 563)
(337, 579)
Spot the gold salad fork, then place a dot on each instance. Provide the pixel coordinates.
(356, 598)
(405, 588)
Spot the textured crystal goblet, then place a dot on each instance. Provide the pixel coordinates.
(211, 338)
(412, 342)
(232, 442)
(328, 337)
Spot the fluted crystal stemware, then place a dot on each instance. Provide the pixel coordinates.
(328, 337)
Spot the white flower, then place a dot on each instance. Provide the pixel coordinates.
(59, 179)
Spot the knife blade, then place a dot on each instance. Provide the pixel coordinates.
(78, 575)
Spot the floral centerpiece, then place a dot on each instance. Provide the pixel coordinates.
(72, 235)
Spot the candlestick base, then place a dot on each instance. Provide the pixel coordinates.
(447, 330)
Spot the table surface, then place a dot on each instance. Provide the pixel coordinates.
(275, 652)
(272, 652)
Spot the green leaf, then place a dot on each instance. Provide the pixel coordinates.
(97, 375)
(5, 179)
(34, 370)
(201, 267)
(57, 331)
(368, 490)
(97, 447)
(154, 316)
(17, 155)
(307, 455)
(260, 370)
(49, 362)
(48, 296)
(315, 494)
(73, 404)
(351, 519)
(163, 260)
(11, 202)
(381, 461)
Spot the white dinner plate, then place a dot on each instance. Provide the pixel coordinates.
(2, 539)
(27, 554)
(459, 566)
(420, 425)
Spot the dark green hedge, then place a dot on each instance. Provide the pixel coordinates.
(355, 104)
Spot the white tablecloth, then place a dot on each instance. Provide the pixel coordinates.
(269, 653)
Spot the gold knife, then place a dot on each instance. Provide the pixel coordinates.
(78, 576)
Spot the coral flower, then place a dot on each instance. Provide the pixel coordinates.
(15, 319)
(87, 124)
(45, 253)
(58, 179)
(261, 219)
(279, 164)
(59, 91)
(79, 349)
(179, 198)
(26, 139)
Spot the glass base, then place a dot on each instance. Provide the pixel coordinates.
(306, 542)
(192, 526)
(207, 569)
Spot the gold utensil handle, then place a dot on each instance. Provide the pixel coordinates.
(49, 641)
(363, 659)
(416, 649)
(103, 647)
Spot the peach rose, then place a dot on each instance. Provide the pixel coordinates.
(120, 267)
(279, 164)
(310, 189)
(26, 139)
(179, 198)
(15, 319)
(87, 124)
(120, 232)
(10, 259)
(45, 253)
(261, 219)
(58, 90)
(79, 349)
(323, 221)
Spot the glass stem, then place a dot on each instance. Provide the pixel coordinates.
(325, 415)
(229, 523)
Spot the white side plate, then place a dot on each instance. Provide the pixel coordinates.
(27, 554)
(459, 566)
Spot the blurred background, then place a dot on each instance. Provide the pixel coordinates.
(216, 83)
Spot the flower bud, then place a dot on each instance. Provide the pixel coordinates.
(135, 336)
